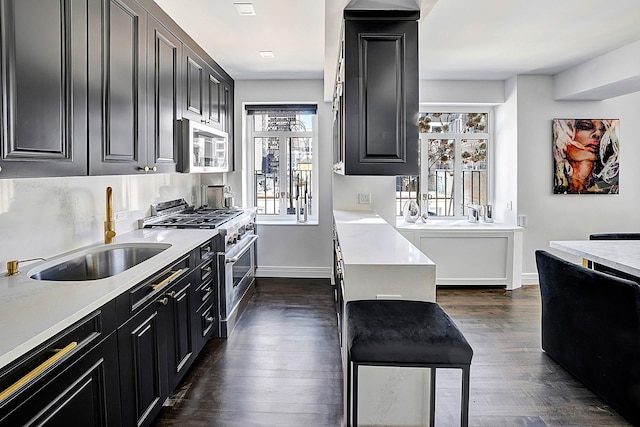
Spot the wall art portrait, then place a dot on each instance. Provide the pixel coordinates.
(586, 156)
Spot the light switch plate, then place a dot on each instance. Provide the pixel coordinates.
(364, 198)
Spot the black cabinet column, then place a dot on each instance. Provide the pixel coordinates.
(117, 70)
(43, 56)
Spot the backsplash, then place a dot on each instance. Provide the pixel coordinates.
(44, 217)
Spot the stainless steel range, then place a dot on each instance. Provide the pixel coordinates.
(235, 265)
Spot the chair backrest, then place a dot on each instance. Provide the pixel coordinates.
(600, 303)
(591, 326)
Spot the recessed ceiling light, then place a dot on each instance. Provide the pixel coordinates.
(245, 9)
(267, 54)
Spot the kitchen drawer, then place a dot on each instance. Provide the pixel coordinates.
(207, 323)
(29, 374)
(206, 290)
(206, 270)
(207, 250)
(133, 300)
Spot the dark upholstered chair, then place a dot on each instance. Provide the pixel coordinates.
(403, 334)
(614, 236)
(591, 327)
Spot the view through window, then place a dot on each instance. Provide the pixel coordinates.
(454, 159)
(283, 163)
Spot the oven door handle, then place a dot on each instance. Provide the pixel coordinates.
(245, 246)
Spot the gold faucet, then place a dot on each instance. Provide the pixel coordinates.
(109, 224)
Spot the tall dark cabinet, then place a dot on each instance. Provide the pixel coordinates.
(376, 97)
(43, 58)
(163, 94)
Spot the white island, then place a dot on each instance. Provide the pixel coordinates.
(379, 263)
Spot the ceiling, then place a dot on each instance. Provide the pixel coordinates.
(459, 39)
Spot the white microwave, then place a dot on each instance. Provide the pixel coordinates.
(205, 149)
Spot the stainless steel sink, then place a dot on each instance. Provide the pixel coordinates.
(101, 262)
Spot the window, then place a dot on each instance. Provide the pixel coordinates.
(454, 151)
(284, 172)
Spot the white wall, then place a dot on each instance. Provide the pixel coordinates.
(382, 191)
(43, 217)
(291, 250)
(568, 217)
(504, 158)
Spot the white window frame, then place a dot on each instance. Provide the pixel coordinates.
(457, 137)
(249, 158)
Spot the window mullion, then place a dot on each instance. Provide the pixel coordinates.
(458, 196)
(284, 167)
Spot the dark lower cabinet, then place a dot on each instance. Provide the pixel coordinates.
(101, 374)
(43, 69)
(180, 344)
(81, 385)
(142, 350)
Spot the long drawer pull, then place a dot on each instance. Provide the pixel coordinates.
(37, 371)
(167, 280)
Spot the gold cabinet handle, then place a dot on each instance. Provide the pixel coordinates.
(37, 371)
(165, 281)
(207, 289)
(172, 294)
(146, 168)
(154, 169)
(163, 301)
(207, 269)
(207, 249)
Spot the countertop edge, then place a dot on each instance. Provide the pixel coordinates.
(188, 240)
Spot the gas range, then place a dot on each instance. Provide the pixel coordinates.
(178, 214)
(232, 223)
(235, 266)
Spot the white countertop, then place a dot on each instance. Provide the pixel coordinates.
(454, 225)
(366, 238)
(622, 255)
(32, 311)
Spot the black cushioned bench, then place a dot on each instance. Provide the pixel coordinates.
(402, 333)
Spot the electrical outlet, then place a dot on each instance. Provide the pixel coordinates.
(523, 221)
(364, 198)
(121, 216)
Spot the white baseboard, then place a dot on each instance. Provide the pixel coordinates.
(471, 282)
(295, 272)
(530, 279)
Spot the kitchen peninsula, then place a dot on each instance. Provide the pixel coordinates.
(374, 261)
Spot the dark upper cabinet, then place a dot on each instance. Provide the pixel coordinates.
(208, 95)
(226, 119)
(165, 53)
(117, 73)
(194, 86)
(98, 87)
(43, 120)
(379, 105)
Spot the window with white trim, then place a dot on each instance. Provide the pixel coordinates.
(283, 139)
(454, 173)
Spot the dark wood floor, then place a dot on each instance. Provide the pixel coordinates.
(281, 366)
